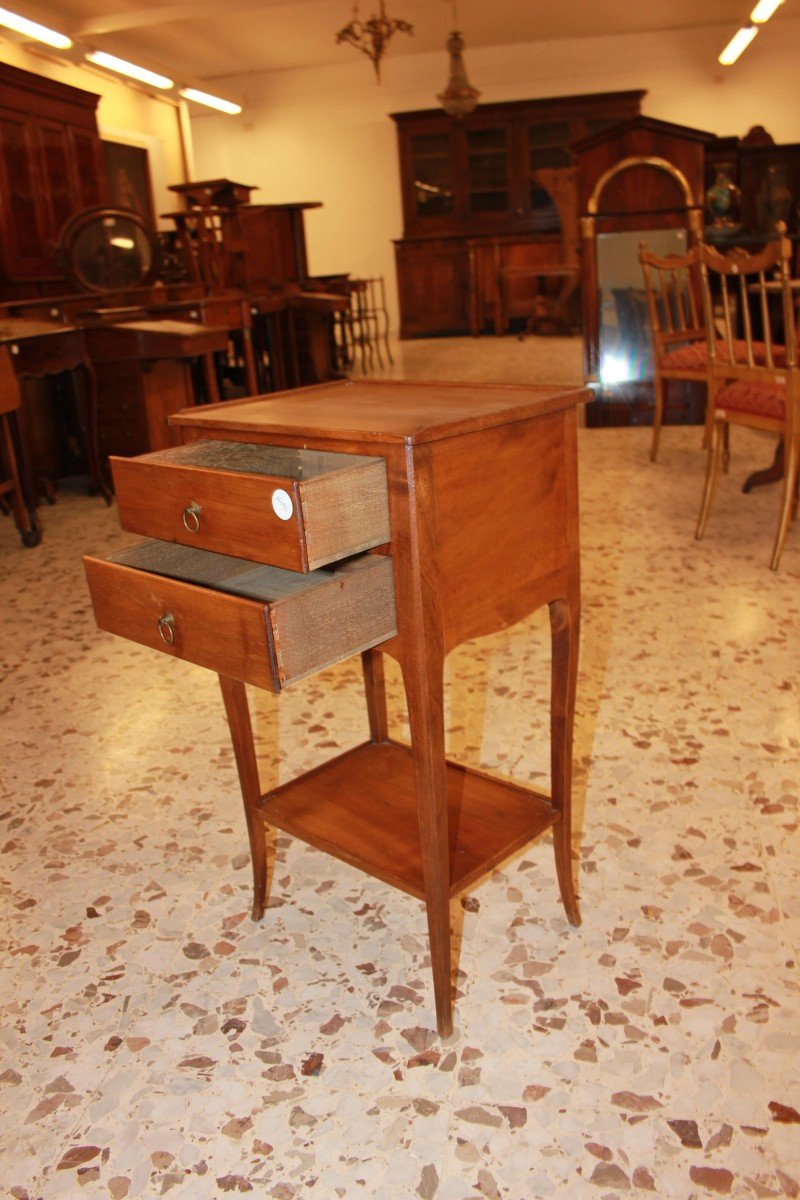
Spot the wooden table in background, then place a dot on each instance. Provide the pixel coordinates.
(47, 348)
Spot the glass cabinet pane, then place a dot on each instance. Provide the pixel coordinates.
(487, 170)
(432, 167)
(548, 145)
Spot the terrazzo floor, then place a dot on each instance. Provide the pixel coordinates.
(155, 1041)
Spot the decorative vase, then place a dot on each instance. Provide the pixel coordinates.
(722, 199)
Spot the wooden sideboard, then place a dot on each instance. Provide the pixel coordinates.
(459, 549)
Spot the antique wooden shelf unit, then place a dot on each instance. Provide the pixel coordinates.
(293, 531)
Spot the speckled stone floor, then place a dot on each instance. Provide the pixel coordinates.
(155, 1041)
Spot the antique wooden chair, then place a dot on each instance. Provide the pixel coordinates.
(753, 381)
(678, 331)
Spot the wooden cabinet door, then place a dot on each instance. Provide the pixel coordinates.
(433, 282)
(24, 219)
(90, 170)
(60, 184)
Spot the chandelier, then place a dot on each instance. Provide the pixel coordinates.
(459, 97)
(372, 37)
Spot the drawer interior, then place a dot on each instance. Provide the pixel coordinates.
(237, 576)
(249, 459)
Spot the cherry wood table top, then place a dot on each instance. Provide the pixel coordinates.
(382, 410)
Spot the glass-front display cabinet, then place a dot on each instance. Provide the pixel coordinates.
(480, 178)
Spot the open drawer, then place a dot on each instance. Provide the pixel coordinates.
(259, 624)
(298, 509)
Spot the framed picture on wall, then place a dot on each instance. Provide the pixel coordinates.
(128, 175)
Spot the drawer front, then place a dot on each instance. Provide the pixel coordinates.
(290, 631)
(294, 509)
(225, 633)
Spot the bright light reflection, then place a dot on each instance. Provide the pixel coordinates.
(738, 43)
(615, 368)
(123, 243)
(132, 70)
(764, 10)
(226, 106)
(33, 29)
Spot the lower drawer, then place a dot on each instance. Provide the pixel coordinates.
(263, 625)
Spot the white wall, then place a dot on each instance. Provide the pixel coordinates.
(324, 134)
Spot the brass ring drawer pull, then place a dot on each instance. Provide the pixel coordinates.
(191, 517)
(166, 628)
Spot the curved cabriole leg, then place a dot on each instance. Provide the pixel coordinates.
(712, 467)
(564, 633)
(238, 714)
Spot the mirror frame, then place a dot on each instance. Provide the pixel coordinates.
(76, 225)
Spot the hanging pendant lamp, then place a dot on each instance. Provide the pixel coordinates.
(459, 97)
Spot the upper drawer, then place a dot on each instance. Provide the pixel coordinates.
(298, 509)
(263, 625)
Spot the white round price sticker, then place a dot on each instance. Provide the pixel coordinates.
(282, 504)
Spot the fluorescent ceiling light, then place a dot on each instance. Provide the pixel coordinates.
(112, 63)
(764, 10)
(739, 42)
(226, 106)
(32, 29)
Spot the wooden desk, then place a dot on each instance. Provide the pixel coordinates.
(38, 349)
(229, 311)
(482, 530)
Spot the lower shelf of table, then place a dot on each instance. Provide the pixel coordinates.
(362, 808)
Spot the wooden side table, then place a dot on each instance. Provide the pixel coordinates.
(483, 529)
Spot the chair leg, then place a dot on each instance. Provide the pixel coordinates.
(712, 467)
(787, 501)
(658, 415)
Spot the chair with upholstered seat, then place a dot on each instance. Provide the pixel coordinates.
(678, 332)
(755, 383)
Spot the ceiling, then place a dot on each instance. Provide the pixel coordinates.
(203, 40)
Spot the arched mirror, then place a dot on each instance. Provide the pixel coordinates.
(640, 199)
(108, 249)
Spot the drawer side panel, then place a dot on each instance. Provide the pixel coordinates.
(344, 513)
(342, 617)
